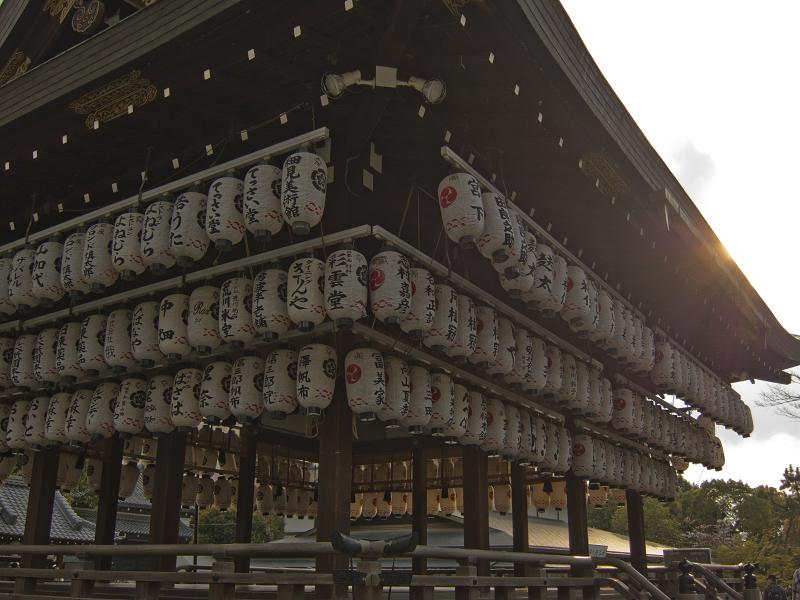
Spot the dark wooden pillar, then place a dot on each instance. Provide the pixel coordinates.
(246, 492)
(335, 479)
(39, 515)
(578, 532)
(419, 510)
(476, 502)
(519, 512)
(636, 531)
(108, 497)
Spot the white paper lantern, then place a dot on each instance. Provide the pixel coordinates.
(126, 248)
(44, 356)
(663, 372)
(270, 314)
(6, 357)
(185, 400)
(17, 424)
(576, 310)
(498, 238)
(129, 408)
(263, 499)
(173, 320)
(6, 307)
(443, 403)
(421, 402)
(202, 328)
(316, 376)
(188, 240)
(91, 344)
(148, 481)
(603, 334)
(442, 334)
(397, 376)
(37, 421)
(305, 299)
(476, 425)
(117, 350)
(523, 358)
(100, 414)
(389, 287)
(98, 267)
(156, 250)
(623, 417)
(346, 286)
(648, 355)
(569, 380)
(246, 400)
(303, 187)
(46, 276)
(215, 391)
(75, 424)
(205, 492)
(555, 372)
(583, 456)
(72, 279)
(564, 450)
(224, 220)
(235, 318)
(280, 382)
(487, 343)
(67, 356)
(506, 348)
(581, 403)
(144, 333)
(456, 427)
(527, 446)
(628, 352)
(515, 264)
(22, 374)
(158, 403)
(262, 201)
(422, 309)
(495, 426)
(513, 446)
(536, 377)
(222, 494)
(539, 429)
(56, 420)
(20, 280)
(461, 206)
(466, 330)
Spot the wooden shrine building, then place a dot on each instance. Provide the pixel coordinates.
(347, 259)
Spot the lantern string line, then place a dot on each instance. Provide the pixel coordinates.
(405, 208)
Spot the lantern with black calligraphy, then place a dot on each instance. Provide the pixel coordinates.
(346, 286)
(117, 351)
(523, 358)
(173, 321)
(20, 280)
(581, 402)
(538, 295)
(365, 382)
(557, 295)
(280, 382)
(100, 414)
(564, 450)
(235, 318)
(305, 298)
(36, 421)
(421, 403)
(222, 494)
(270, 312)
(316, 375)
(144, 334)
(442, 334)
(442, 402)
(398, 392)
(129, 475)
(663, 373)
(158, 404)
(535, 355)
(466, 330)
(456, 427)
(547, 444)
(185, 402)
(224, 219)
(647, 357)
(527, 453)
(477, 420)
(5, 413)
(202, 328)
(188, 240)
(422, 307)
(461, 205)
(98, 267)
(126, 247)
(22, 374)
(603, 334)
(17, 425)
(506, 349)
(498, 239)
(568, 392)
(303, 186)
(6, 357)
(583, 456)
(389, 286)
(513, 446)
(605, 401)
(262, 201)
(129, 409)
(246, 400)
(214, 391)
(495, 427)
(72, 279)
(44, 356)
(75, 424)
(487, 343)
(91, 344)
(555, 372)
(576, 309)
(6, 308)
(56, 418)
(637, 346)
(46, 275)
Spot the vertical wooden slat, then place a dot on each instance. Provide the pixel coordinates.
(578, 530)
(636, 531)
(108, 497)
(519, 512)
(476, 502)
(419, 510)
(246, 491)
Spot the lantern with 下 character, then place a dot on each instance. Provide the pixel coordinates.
(188, 240)
(100, 415)
(461, 206)
(44, 356)
(144, 334)
(126, 247)
(224, 219)
(98, 267)
(185, 401)
(420, 400)
(246, 400)
(173, 320)
(305, 298)
(270, 313)
(202, 327)
(46, 275)
(498, 238)
(346, 286)
(56, 419)
(75, 424)
(91, 344)
(235, 318)
(129, 409)
(214, 391)
(20, 280)
(156, 250)
(398, 391)
(262, 201)
(158, 404)
(316, 375)
(280, 382)
(117, 352)
(72, 265)
(389, 286)
(303, 187)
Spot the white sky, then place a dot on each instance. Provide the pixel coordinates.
(714, 87)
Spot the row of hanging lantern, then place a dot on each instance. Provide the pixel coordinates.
(168, 232)
(537, 275)
(287, 487)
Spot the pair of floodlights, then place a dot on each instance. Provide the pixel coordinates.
(335, 84)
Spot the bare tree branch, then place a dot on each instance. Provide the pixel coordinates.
(784, 398)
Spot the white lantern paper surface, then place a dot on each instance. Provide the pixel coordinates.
(36, 421)
(263, 216)
(215, 391)
(582, 401)
(235, 318)
(506, 348)
(442, 334)
(513, 446)
(17, 425)
(461, 205)
(487, 343)
(583, 456)
(5, 414)
(280, 382)
(316, 376)
(495, 426)
(20, 280)
(75, 424)
(663, 372)
(188, 240)
(126, 248)
(246, 400)
(475, 432)
(185, 401)
(6, 308)
(270, 314)
(603, 334)
(56, 419)
(576, 310)
(100, 415)
(456, 427)
(72, 279)
(117, 349)
(46, 276)
(156, 250)
(514, 266)
(443, 402)
(523, 357)
(569, 380)
(67, 356)
(44, 356)
(91, 345)
(158, 403)
(144, 333)
(543, 277)
(205, 492)
(466, 329)
(129, 409)
(98, 268)
(498, 238)
(222, 494)
(389, 286)
(224, 219)
(173, 321)
(22, 374)
(555, 372)
(398, 391)
(564, 450)
(536, 378)
(6, 357)
(303, 187)
(421, 402)
(622, 419)
(346, 286)
(202, 328)
(305, 298)
(422, 309)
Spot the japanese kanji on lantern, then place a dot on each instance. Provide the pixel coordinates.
(17, 424)
(6, 357)
(263, 216)
(456, 427)
(126, 246)
(495, 427)
(498, 238)
(6, 308)
(422, 307)
(158, 404)
(20, 281)
(316, 375)
(224, 220)
(72, 265)
(91, 344)
(46, 275)
(44, 356)
(305, 298)
(75, 425)
(303, 187)
(466, 329)
(442, 334)
(443, 403)
(421, 404)
(397, 376)
(56, 418)
(512, 448)
(156, 250)
(568, 392)
(185, 400)
(461, 206)
(364, 373)
(100, 415)
(188, 240)
(98, 267)
(527, 454)
(214, 391)
(389, 286)
(487, 342)
(22, 374)
(503, 362)
(144, 334)
(202, 327)
(280, 382)
(476, 426)
(557, 290)
(173, 320)
(129, 408)
(270, 312)
(117, 349)
(517, 254)
(246, 399)
(235, 318)
(346, 286)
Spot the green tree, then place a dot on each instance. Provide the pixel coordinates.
(218, 527)
(661, 525)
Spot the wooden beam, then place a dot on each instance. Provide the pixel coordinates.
(476, 502)
(419, 510)
(578, 531)
(108, 497)
(635, 508)
(519, 512)
(248, 442)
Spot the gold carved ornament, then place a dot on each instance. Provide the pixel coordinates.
(15, 66)
(598, 166)
(58, 8)
(112, 100)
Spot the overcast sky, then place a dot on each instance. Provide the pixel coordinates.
(714, 87)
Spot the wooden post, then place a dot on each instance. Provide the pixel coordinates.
(578, 532)
(519, 512)
(246, 491)
(108, 497)
(419, 512)
(335, 480)
(635, 507)
(476, 502)
(39, 515)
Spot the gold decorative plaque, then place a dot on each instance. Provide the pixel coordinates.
(597, 165)
(58, 8)
(15, 66)
(112, 100)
